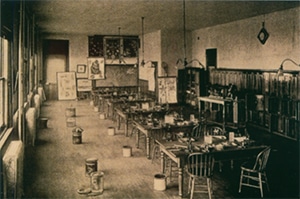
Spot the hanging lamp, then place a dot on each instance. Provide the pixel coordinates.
(184, 60)
(143, 62)
(280, 70)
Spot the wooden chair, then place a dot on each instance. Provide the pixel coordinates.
(253, 174)
(198, 131)
(199, 167)
(216, 130)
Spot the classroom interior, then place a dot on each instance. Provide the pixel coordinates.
(149, 99)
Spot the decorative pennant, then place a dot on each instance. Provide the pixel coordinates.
(263, 34)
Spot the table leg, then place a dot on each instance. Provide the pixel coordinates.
(180, 180)
(162, 162)
(119, 122)
(126, 127)
(148, 147)
(137, 134)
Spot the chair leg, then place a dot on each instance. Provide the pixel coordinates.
(193, 188)
(190, 184)
(260, 185)
(220, 166)
(266, 181)
(208, 187)
(241, 181)
(155, 152)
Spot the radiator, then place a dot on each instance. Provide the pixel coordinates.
(37, 104)
(42, 94)
(13, 170)
(31, 126)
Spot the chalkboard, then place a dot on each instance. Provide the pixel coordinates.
(66, 82)
(119, 75)
(167, 90)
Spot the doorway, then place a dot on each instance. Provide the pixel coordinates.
(55, 59)
(211, 57)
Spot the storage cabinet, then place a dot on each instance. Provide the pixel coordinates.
(272, 102)
(277, 115)
(191, 84)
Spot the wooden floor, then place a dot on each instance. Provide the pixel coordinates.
(55, 167)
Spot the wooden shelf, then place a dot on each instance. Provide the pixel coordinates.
(269, 131)
(285, 136)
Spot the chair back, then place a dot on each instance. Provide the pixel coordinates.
(200, 164)
(215, 130)
(198, 131)
(262, 159)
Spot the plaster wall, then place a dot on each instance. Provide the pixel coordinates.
(238, 47)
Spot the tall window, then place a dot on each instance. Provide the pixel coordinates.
(4, 53)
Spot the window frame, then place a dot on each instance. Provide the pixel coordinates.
(4, 66)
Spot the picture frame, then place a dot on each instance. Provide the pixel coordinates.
(84, 85)
(81, 71)
(96, 68)
(81, 68)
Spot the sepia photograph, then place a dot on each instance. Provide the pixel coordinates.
(149, 99)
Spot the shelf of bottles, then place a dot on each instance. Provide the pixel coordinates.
(272, 101)
(192, 89)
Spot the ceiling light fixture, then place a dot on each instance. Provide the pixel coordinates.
(280, 70)
(184, 61)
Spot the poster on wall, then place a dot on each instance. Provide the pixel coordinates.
(167, 90)
(84, 85)
(96, 69)
(66, 82)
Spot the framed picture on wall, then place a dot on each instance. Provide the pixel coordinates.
(84, 85)
(81, 71)
(66, 83)
(96, 69)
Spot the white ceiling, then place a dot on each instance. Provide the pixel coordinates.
(104, 17)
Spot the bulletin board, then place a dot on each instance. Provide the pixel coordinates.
(167, 89)
(66, 82)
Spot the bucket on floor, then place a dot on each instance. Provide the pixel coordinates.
(97, 182)
(111, 130)
(96, 108)
(127, 151)
(77, 138)
(102, 116)
(71, 122)
(159, 182)
(70, 112)
(43, 122)
(91, 165)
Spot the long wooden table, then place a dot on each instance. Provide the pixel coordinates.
(158, 132)
(179, 156)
